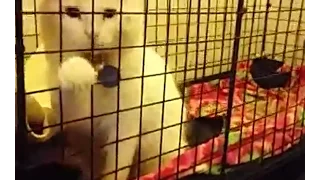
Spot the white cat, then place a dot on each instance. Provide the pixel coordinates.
(75, 75)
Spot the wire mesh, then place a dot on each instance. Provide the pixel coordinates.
(199, 41)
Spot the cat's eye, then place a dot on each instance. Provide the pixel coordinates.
(109, 13)
(73, 12)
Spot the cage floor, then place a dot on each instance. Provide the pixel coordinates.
(289, 165)
(264, 123)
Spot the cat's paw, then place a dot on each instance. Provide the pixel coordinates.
(76, 73)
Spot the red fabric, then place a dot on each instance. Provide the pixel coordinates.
(276, 132)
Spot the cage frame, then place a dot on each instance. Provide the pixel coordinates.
(241, 10)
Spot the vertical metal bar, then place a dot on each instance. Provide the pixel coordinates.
(197, 38)
(230, 30)
(36, 22)
(164, 85)
(304, 106)
(257, 89)
(240, 12)
(156, 34)
(302, 62)
(204, 73)
(268, 5)
(20, 95)
(60, 59)
(118, 91)
(291, 68)
(215, 36)
(206, 46)
(196, 68)
(258, 27)
(142, 81)
(277, 28)
(246, 77)
(177, 40)
(225, 14)
(189, 7)
(220, 68)
(92, 95)
(273, 55)
(245, 87)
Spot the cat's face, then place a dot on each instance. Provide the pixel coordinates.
(80, 27)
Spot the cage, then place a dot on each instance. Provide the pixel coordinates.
(242, 60)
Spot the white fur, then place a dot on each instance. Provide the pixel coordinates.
(78, 105)
(76, 73)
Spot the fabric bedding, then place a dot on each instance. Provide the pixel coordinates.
(264, 123)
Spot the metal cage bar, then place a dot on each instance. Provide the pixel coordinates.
(21, 139)
(236, 36)
(240, 11)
